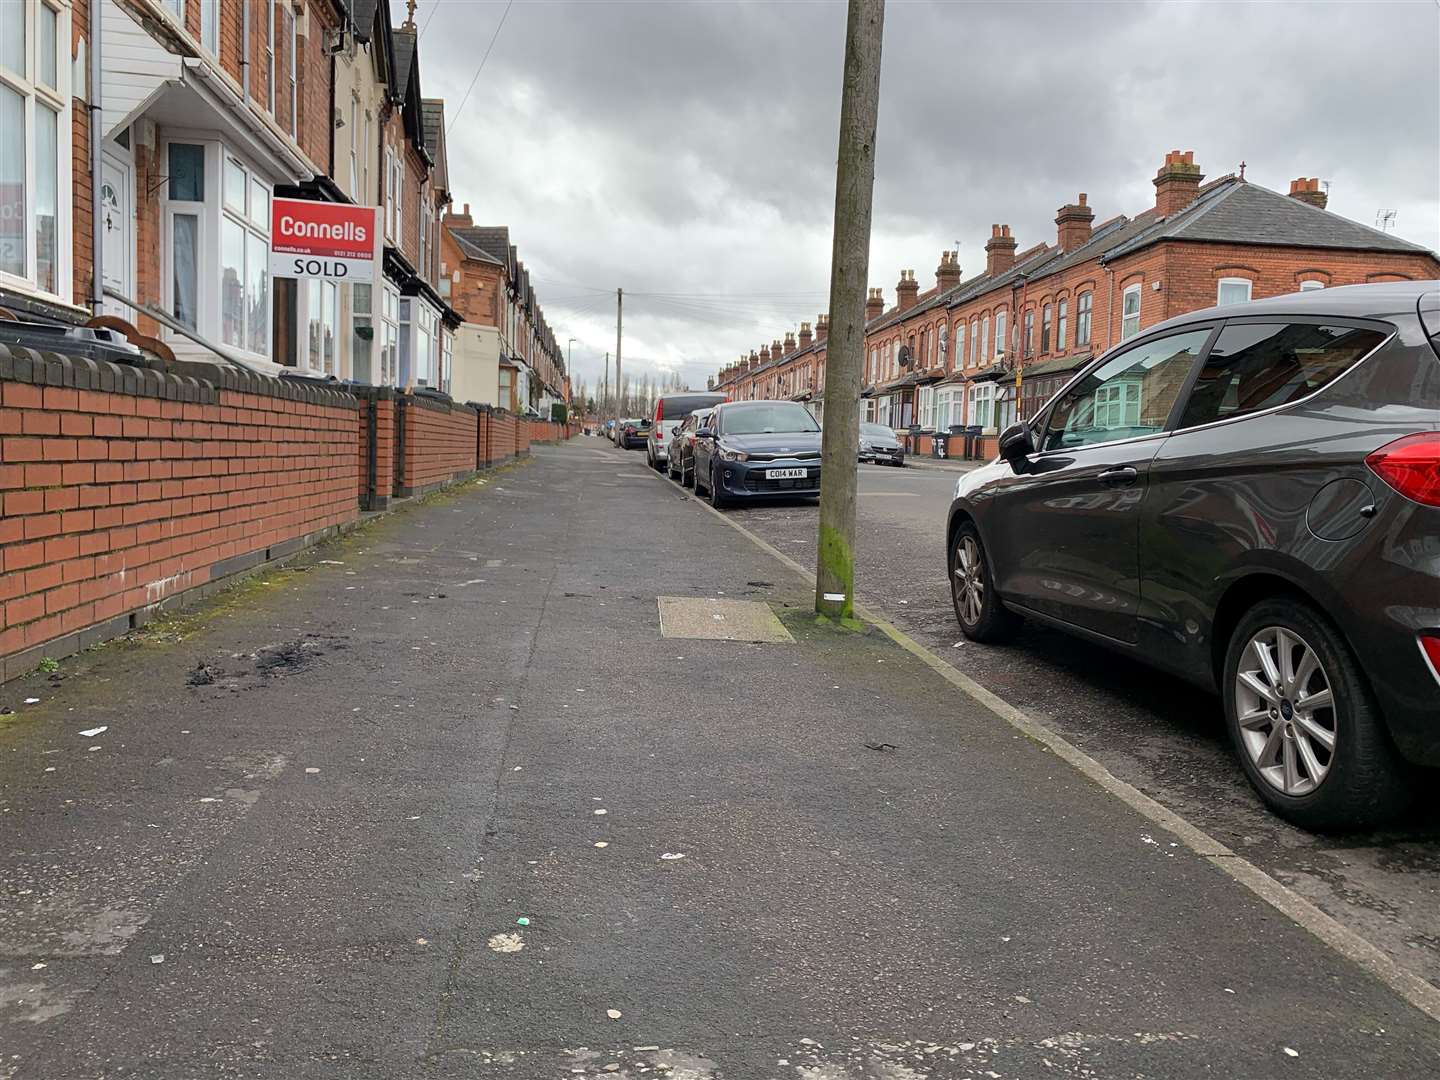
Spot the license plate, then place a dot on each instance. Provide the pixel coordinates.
(785, 474)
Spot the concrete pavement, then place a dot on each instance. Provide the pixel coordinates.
(320, 808)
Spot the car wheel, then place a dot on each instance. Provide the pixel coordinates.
(717, 499)
(978, 609)
(1305, 724)
(687, 476)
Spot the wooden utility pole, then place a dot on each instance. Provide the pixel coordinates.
(849, 271)
(619, 386)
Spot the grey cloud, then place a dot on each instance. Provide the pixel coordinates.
(689, 148)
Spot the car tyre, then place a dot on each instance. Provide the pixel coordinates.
(1362, 780)
(978, 608)
(717, 498)
(687, 475)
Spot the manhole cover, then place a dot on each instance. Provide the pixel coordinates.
(719, 620)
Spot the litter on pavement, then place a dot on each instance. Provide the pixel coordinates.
(158, 958)
(671, 856)
(614, 1014)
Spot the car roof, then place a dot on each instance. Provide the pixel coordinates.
(1382, 300)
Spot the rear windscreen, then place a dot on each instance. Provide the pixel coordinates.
(679, 406)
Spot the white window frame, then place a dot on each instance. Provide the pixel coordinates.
(1028, 346)
(1047, 316)
(942, 345)
(1312, 285)
(294, 73)
(985, 337)
(1084, 318)
(270, 55)
(1062, 317)
(386, 360)
(974, 340)
(1000, 335)
(925, 408)
(982, 400)
(35, 96)
(959, 344)
(212, 213)
(389, 193)
(1130, 320)
(210, 27)
(1233, 282)
(319, 314)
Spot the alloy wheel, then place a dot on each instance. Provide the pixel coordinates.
(1285, 710)
(969, 583)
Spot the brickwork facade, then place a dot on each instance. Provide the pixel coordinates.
(439, 444)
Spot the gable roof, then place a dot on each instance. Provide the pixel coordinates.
(362, 17)
(432, 131)
(470, 248)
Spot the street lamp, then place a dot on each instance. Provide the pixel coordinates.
(570, 372)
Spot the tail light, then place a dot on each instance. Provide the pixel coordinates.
(1430, 646)
(659, 411)
(1411, 466)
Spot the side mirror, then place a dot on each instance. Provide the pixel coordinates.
(1016, 444)
(704, 433)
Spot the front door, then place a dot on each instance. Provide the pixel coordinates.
(117, 250)
(1066, 539)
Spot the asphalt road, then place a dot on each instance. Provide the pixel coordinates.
(1149, 729)
(444, 801)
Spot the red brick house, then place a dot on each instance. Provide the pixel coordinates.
(949, 356)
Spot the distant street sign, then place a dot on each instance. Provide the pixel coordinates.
(334, 241)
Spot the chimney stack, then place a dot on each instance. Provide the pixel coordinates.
(1073, 222)
(764, 354)
(805, 336)
(947, 274)
(789, 343)
(907, 290)
(1309, 191)
(874, 305)
(461, 220)
(775, 351)
(1177, 183)
(822, 327)
(999, 250)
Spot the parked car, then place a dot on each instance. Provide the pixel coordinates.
(632, 433)
(880, 445)
(753, 450)
(680, 457)
(1248, 497)
(670, 411)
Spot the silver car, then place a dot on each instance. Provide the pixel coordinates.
(880, 445)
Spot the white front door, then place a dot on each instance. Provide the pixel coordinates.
(117, 217)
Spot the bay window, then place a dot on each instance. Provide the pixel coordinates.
(216, 245)
(35, 146)
(982, 396)
(322, 325)
(925, 407)
(389, 335)
(949, 407)
(362, 332)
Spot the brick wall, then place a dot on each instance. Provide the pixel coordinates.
(377, 413)
(80, 225)
(313, 86)
(439, 444)
(124, 487)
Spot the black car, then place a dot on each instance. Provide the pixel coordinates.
(757, 450)
(1248, 497)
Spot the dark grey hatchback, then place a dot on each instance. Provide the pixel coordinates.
(1248, 497)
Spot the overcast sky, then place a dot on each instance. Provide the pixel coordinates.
(688, 148)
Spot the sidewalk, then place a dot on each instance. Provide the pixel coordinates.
(321, 806)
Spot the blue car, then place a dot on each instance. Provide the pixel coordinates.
(758, 450)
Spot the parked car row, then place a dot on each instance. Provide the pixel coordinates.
(744, 451)
(1248, 497)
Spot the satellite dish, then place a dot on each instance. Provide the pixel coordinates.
(906, 358)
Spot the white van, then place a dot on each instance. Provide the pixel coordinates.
(670, 412)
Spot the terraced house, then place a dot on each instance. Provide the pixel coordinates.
(208, 110)
(981, 351)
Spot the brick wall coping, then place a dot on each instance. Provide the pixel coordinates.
(184, 381)
(434, 403)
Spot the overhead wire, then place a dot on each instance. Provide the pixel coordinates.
(480, 67)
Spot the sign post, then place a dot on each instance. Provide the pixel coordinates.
(332, 241)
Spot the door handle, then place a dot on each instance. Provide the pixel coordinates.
(1121, 477)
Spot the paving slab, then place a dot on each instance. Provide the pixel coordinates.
(540, 839)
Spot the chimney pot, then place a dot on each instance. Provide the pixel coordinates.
(1177, 183)
(999, 250)
(947, 274)
(1073, 224)
(1308, 190)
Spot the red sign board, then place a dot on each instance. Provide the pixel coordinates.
(335, 241)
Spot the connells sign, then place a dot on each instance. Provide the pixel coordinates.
(334, 241)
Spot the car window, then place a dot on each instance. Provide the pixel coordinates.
(1128, 396)
(758, 419)
(1255, 366)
